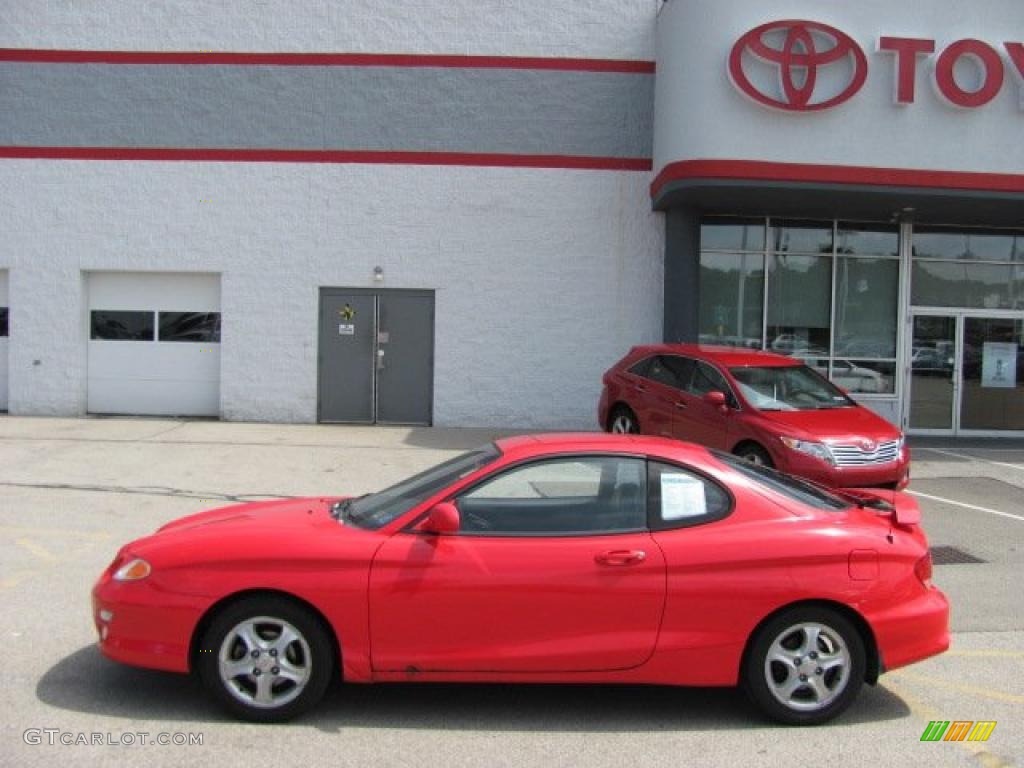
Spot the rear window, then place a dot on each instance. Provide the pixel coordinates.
(791, 487)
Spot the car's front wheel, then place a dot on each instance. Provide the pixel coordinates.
(805, 666)
(266, 659)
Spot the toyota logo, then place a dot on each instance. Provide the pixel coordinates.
(868, 446)
(798, 66)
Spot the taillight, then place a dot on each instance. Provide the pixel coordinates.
(923, 569)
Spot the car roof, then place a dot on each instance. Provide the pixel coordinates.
(599, 442)
(730, 357)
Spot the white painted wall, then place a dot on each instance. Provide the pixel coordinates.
(700, 115)
(543, 277)
(153, 377)
(3, 345)
(598, 28)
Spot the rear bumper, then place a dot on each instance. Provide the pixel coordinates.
(912, 631)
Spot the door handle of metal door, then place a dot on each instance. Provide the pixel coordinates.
(380, 359)
(621, 557)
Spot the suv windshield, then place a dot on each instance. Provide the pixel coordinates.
(794, 488)
(378, 509)
(788, 388)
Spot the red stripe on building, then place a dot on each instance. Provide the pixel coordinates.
(753, 170)
(325, 60)
(331, 156)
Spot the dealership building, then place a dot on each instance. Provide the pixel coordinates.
(461, 213)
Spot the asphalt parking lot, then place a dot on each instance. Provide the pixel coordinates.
(73, 490)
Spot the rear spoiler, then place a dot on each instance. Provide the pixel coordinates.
(901, 508)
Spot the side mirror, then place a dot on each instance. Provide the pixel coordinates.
(442, 519)
(716, 399)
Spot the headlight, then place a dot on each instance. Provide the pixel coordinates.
(819, 451)
(133, 570)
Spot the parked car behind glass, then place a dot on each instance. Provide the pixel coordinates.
(770, 409)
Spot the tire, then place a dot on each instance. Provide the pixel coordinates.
(243, 648)
(755, 454)
(793, 651)
(623, 421)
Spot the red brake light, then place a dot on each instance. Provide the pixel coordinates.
(923, 569)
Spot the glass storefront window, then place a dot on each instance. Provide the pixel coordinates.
(867, 240)
(801, 236)
(731, 299)
(963, 284)
(799, 304)
(732, 234)
(967, 245)
(993, 374)
(867, 301)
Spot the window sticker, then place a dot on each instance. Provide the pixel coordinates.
(682, 497)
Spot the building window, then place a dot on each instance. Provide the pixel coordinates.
(3, 322)
(203, 327)
(827, 292)
(121, 325)
(968, 268)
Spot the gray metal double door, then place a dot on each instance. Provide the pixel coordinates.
(376, 360)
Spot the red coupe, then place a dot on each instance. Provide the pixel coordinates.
(769, 409)
(559, 558)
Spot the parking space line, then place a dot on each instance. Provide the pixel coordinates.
(15, 579)
(987, 654)
(967, 506)
(971, 690)
(36, 550)
(955, 455)
(54, 533)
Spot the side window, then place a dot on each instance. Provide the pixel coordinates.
(662, 373)
(565, 496)
(706, 379)
(680, 498)
(640, 369)
(682, 369)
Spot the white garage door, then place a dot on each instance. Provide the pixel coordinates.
(4, 330)
(154, 343)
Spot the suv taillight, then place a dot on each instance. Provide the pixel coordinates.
(923, 569)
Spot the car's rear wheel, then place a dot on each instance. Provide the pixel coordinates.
(623, 421)
(805, 666)
(755, 454)
(266, 659)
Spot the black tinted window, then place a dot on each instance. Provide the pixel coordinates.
(121, 325)
(662, 373)
(679, 497)
(564, 496)
(3, 321)
(640, 369)
(190, 326)
(706, 379)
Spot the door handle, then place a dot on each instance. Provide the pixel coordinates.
(621, 557)
(639, 387)
(380, 359)
(681, 405)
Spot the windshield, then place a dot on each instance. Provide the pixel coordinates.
(794, 488)
(788, 388)
(379, 509)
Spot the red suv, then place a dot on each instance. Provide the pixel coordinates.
(767, 408)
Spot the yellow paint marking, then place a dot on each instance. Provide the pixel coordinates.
(16, 530)
(926, 712)
(15, 579)
(971, 690)
(40, 552)
(987, 654)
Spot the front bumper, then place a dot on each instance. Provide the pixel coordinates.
(143, 626)
(895, 474)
